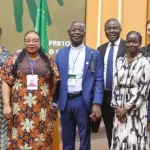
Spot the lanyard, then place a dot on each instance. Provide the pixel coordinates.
(31, 63)
(74, 61)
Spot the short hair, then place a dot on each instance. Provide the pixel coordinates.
(0, 30)
(74, 22)
(112, 19)
(148, 22)
(137, 33)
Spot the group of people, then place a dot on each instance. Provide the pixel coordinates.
(126, 88)
(112, 82)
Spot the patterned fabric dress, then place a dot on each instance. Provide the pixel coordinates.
(4, 55)
(31, 127)
(131, 90)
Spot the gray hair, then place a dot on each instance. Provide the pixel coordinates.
(74, 22)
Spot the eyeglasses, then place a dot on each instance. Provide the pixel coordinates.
(35, 41)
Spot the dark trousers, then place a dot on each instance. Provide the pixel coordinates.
(75, 114)
(108, 115)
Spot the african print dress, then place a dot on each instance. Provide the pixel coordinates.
(131, 90)
(4, 55)
(31, 127)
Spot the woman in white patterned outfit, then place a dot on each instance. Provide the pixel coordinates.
(130, 97)
(4, 55)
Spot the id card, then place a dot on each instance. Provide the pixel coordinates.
(72, 79)
(32, 82)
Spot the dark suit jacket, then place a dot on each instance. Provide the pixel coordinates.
(121, 52)
(145, 50)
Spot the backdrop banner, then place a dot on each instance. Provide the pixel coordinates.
(19, 16)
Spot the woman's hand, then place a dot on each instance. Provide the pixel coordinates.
(121, 111)
(7, 112)
(123, 119)
(120, 114)
(55, 112)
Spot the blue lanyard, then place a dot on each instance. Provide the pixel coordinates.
(31, 64)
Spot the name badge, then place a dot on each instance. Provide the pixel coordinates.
(32, 82)
(72, 79)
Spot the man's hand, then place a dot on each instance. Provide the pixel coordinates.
(96, 112)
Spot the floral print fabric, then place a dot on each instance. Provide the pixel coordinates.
(31, 127)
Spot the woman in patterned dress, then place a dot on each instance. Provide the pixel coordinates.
(147, 54)
(28, 82)
(130, 97)
(4, 55)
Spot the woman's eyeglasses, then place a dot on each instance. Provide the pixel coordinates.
(35, 41)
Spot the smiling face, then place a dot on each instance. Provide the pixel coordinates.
(133, 43)
(112, 30)
(32, 43)
(76, 33)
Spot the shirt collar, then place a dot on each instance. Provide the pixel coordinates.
(115, 43)
(77, 48)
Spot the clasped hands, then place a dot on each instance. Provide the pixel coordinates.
(120, 113)
(96, 112)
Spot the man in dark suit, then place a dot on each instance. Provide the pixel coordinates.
(81, 90)
(110, 51)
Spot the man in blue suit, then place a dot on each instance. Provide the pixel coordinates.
(81, 88)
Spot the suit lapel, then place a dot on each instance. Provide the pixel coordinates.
(66, 62)
(87, 61)
(103, 52)
(121, 48)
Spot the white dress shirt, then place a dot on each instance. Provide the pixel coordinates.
(116, 47)
(76, 67)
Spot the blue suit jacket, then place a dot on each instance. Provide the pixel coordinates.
(92, 84)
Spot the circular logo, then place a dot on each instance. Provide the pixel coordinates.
(51, 51)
